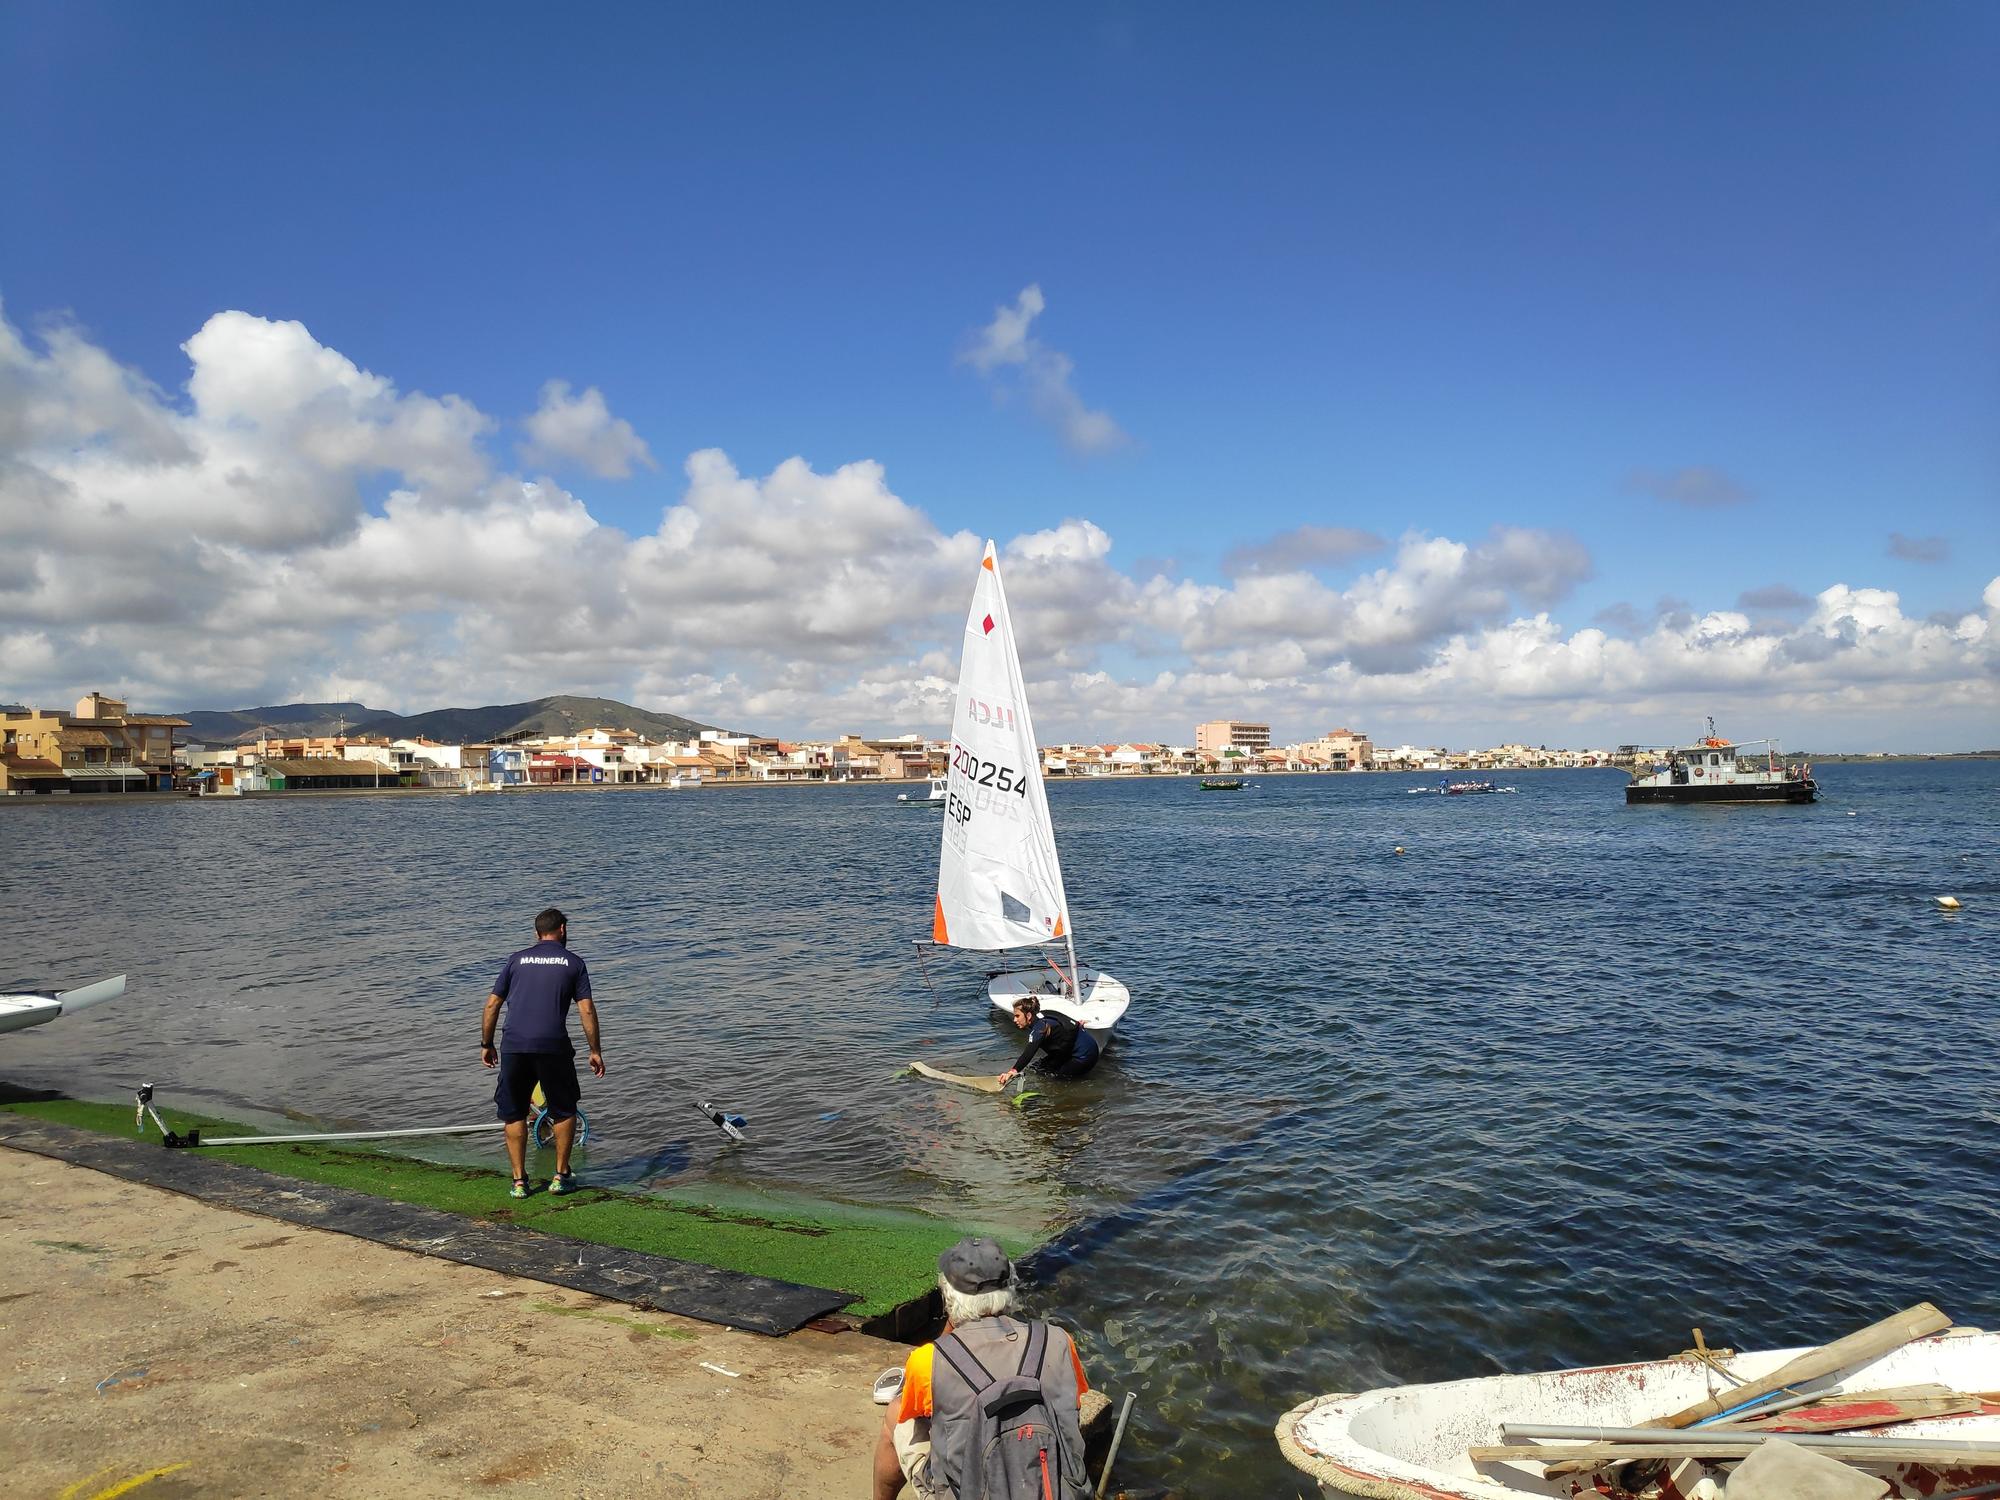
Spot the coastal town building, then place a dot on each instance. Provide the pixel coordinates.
(551, 767)
(376, 752)
(304, 746)
(1219, 735)
(102, 747)
(507, 765)
(1336, 750)
(323, 773)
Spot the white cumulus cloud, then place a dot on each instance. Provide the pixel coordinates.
(1007, 353)
(288, 526)
(580, 430)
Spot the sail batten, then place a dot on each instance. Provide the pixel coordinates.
(1000, 881)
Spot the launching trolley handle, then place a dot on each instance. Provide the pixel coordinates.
(142, 1106)
(347, 1135)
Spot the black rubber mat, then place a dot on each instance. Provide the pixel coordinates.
(656, 1283)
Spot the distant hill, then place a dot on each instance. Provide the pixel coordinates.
(209, 726)
(559, 715)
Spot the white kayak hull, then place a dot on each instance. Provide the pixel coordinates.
(1104, 999)
(1410, 1442)
(39, 1007)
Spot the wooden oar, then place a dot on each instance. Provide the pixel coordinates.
(1851, 1412)
(1872, 1342)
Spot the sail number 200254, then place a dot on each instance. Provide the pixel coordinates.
(988, 773)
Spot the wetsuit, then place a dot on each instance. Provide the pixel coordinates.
(1067, 1050)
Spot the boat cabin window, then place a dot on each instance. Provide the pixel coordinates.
(1715, 760)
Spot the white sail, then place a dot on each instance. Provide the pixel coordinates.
(999, 882)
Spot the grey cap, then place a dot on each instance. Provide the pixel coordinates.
(976, 1265)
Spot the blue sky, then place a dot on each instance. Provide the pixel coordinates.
(1414, 268)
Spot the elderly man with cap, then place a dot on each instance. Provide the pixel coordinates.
(936, 1426)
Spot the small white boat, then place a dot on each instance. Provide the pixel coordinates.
(1413, 1442)
(684, 781)
(1104, 998)
(39, 1007)
(1000, 882)
(933, 799)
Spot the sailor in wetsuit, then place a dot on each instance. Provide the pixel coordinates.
(1068, 1051)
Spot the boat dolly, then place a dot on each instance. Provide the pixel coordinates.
(142, 1106)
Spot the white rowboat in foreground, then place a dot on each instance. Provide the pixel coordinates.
(1414, 1442)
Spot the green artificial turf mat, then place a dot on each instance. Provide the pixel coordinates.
(885, 1256)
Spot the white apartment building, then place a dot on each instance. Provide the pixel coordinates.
(448, 757)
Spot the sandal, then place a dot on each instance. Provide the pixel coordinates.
(520, 1189)
(888, 1384)
(563, 1182)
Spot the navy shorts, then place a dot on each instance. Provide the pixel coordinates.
(521, 1071)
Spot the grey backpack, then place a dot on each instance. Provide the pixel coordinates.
(1000, 1434)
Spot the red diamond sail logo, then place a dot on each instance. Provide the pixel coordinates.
(987, 623)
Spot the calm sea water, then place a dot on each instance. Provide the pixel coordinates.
(1556, 1084)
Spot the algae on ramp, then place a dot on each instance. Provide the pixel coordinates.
(884, 1257)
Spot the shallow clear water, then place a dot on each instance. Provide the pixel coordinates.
(1558, 1083)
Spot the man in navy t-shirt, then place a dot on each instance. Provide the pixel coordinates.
(537, 985)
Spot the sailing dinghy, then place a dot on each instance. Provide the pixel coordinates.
(1000, 884)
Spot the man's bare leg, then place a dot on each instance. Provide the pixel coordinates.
(517, 1146)
(565, 1132)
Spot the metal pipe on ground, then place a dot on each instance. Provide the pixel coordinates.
(1117, 1437)
(1713, 1438)
(350, 1135)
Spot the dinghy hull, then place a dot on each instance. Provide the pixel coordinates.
(1104, 998)
(1411, 1442)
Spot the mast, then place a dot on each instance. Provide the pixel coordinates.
(1069, 928)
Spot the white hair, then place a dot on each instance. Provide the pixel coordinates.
(963, 1307)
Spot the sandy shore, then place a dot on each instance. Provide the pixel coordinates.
(239, 1356)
